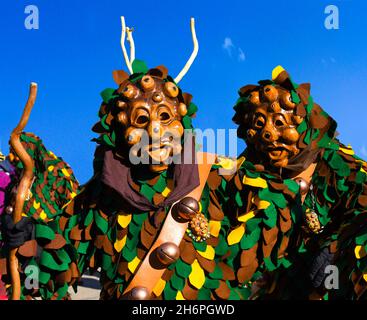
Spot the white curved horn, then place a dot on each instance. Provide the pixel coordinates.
(193, 54)
(123, 35)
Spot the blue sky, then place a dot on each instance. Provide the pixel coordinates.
(77, 47)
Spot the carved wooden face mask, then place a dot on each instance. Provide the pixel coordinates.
(271, 124)
(150, 113)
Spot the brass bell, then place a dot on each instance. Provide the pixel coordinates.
(185, 209)
(9, 209)
(167, 253)
(303, 185)
(139, 293)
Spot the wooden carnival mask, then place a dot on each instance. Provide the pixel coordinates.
(268, 119)
(144, 117)
(150, 114)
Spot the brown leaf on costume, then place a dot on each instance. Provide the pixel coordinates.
(214, 180)
(245, 273)
(122, 267)
(189, 292)
(283, 247)
(248, 256)
(214, 212)
(270, 235)
(228, 273)
(188, 252)
(56, 243)
(119, 76)
(28, 249)
(223, 291)
(207, 265)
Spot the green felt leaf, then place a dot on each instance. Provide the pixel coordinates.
(43, 231)
(186, 122)
(249, 240)
(128, 254)
(169, 293)
(217, 273)
(204, 294)
(101, 223)
(295, 97)
(192, 109)
(269, 264)
(362, 239)
(83, 246)
(103, 122)
(48, 261)
(211, 284)
(108, 94)
(182, 268)
(89, 218)
(177, 282)
(139, 66)
(302, 127)
(44, 277)
(252, 224)
(160, 185)
(271, 216)
(147, 191)
(238, 199)
(199, 246)
(106, 139)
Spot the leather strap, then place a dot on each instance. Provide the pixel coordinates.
(172, 231)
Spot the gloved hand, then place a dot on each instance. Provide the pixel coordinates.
(317, 270)
(15, 235)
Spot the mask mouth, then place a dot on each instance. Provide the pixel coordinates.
(160, 152)
(277, 152)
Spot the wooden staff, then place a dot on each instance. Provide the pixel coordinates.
(24, 185)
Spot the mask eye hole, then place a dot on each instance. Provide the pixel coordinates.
(259, 121)
(279, 123)
(164, 116)
(143, 119)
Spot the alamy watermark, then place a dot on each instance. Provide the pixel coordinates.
(31, 21)
(332, 19)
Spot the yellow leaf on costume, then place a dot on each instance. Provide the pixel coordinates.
(124, 220)
(255, 182)
(347, 151)
(197, 275)
(360, 252)
(65, 172)
(240, 160)
(214, 227)
(158, 289)
(43, 215)
(52, 154)
(36, 205)
(200, 207)
(365, 276)
(226, 163)
(179, 296)
(120, 244)
(263, 204)
(209, 253)
(245, 217)
(166, 192)
(236, 235)
(50, 168)
(132, 265)
(72, 195)
(276, 72)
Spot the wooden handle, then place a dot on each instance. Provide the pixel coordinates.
(24, 184)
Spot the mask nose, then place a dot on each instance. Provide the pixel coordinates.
(267, 136)
(155, 129)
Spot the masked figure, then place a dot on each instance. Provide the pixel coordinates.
(291, 138)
